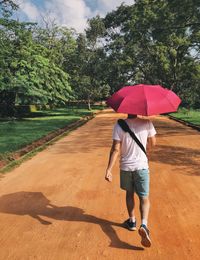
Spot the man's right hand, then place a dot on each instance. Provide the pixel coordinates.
(108, 176)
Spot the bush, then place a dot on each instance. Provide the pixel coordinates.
(22, 110)
(6, 110)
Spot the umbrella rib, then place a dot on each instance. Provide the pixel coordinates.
(145, 101)
(171, 102)
(165, 96)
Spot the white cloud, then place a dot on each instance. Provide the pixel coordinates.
(105, 6)
(72, 13)
(29, 9)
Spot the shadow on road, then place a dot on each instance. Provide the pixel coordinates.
(36, 205)
(171, 128)
(186, 158)
(98, 135)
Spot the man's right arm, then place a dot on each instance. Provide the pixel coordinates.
(151, 140)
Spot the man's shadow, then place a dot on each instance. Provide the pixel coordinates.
(36, 205)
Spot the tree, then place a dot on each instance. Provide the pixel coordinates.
(7, 6)
(28, 75)
(86, 79)
(152, 41)
(59, 40)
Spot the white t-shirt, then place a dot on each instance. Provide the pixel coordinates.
(132, 157)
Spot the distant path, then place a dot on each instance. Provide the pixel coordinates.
(57, 206)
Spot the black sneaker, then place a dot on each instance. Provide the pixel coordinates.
(130, 224)
(144, 233)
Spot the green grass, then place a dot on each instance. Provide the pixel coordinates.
(191, 116)
(15, 134)
(14, 163)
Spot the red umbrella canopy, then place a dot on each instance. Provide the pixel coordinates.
(144, 100)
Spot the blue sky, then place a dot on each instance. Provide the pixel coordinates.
(71, 13)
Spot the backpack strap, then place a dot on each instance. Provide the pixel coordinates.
(126, 128)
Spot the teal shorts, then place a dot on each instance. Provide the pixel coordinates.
(135, 181)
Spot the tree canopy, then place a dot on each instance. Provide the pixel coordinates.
(153, 42)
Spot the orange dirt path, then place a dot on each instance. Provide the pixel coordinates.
(58, 206)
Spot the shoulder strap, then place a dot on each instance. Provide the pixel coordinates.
(126, 128)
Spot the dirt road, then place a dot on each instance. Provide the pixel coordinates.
(57, 205)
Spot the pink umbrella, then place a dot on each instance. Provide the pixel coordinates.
(144, 100)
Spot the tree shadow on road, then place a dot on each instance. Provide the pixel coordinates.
(172, 128)
(37, 206)
(186, 158)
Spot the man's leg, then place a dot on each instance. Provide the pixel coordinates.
(144, 212)
(130, 204)
(144, 209)
(142, 189)
(127, 185)
(141, 182)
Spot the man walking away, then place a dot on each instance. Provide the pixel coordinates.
(134, 169)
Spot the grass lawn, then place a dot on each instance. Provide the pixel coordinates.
(15, 134)
(191, 116)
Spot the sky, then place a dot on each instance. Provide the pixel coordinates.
(70, 13)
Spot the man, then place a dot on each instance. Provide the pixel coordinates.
(134, 169)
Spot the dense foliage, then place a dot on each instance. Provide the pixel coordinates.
(156, 42)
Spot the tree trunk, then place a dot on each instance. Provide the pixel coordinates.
(89, 104)
(7, 102)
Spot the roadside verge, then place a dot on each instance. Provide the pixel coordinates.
(197, 127)
(27, 152)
